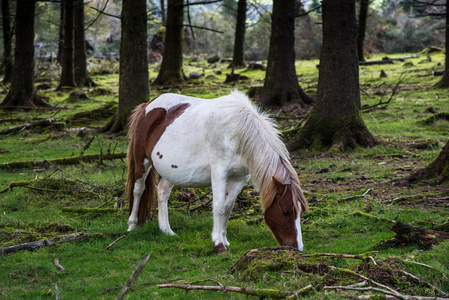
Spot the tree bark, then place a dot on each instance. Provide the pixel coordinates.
(238, 60)
(67, 75)
(22, 92)
(80, 67)
(444, 81)
(133, 77)
(7, 41)
(361, 28)
(336, 120)
(281, 84)
(171, 68)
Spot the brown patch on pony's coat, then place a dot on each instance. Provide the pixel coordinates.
(145, 131)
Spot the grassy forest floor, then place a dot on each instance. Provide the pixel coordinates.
(353, 201)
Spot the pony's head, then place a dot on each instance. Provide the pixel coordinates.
(283, 216)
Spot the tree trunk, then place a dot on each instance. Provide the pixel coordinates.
(7, 41)
(61, 33)
(444, 81)
(133, 77)
(438, 170)
(171, 68)
(80, 67)
(336, 120)
(163, 17)
(67, 75)
(281, 84)
(238, 60)
(363, 15)
(22, 92)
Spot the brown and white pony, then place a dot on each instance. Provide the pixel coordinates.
(220, 143)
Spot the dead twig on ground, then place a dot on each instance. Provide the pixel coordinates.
(114, 242)
(356, 196)
(133, 277)
(391, 291)
(58, 266)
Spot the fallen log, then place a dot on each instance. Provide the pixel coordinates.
(63, 161)
(407, 234)
(43, 243)
(40, 123)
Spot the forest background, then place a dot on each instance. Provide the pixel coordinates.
(62, 181)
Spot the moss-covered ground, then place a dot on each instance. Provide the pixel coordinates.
(351, 196)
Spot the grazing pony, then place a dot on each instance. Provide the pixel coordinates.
(220, 142)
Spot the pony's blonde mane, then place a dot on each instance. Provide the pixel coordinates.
(259, 143)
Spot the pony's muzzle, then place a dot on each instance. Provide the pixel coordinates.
(290, 244)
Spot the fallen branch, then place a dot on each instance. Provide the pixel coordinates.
(40, 123)
(364, 289)
(58, 266)
(390, 297)
(356, 196)
(14, 184)
(416, 278)
(139, 284)
(395, 89)
(261, 293)
(114, 242)
(391, 291)
(58, 296)
(43, 243)
(133, 277)
(64, 161)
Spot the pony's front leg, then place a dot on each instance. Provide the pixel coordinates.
(139, 188)
(163, 193)
(233, 188)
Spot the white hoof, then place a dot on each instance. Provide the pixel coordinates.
(131, 227)
(168, 231)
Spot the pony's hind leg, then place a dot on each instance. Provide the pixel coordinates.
(163, 192)
(139, 188)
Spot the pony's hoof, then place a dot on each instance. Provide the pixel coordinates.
(220, 248)
(131, 227)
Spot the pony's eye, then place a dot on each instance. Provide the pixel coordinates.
(286, 213)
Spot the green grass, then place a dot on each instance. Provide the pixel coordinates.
(331, 225)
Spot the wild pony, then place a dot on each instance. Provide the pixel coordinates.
(219, 142)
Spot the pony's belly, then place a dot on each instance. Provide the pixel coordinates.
(181, 170)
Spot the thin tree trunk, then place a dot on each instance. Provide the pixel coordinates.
(238, 60)
(133, 81)
(171, 68)
(361, 28)
(22, 92)
(281, 83)
(67, 75)
(80, 67)
(444, 81)
(7, 41)
(335, 119)
(163, 16)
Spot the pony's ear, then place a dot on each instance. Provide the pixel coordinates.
(280, 187)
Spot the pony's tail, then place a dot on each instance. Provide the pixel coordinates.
(148, 201)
